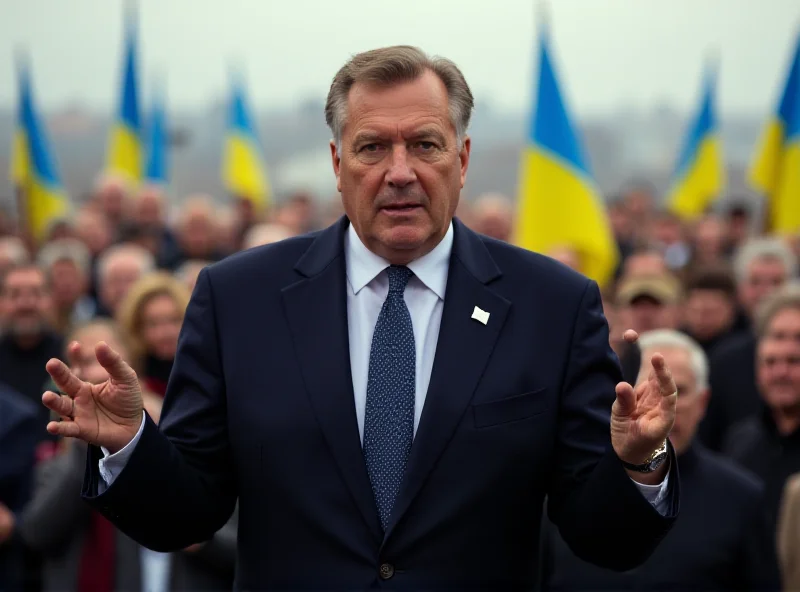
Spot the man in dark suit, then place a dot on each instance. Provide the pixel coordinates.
(721, 541)
(389, 399)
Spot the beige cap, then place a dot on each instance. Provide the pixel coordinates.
(662, 288)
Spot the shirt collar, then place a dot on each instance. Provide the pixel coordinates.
(363, 265)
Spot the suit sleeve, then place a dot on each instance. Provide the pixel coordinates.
(177, 487)
(599, 511)
(758, 558)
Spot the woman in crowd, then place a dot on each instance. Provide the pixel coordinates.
(151, 316)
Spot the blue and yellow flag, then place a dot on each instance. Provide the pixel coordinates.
(775, 170)
(559, 205)
(243, 170)
(157, 170)
(699, 175)
(125, 152)
(33, 169)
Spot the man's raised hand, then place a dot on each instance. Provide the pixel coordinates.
(107, 414)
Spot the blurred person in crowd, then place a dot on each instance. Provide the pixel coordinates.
(493, 216)
(645, 303)
(67, 263)
(645, 262)
(762, 266)
(94, 230)
(81, 549)
(228, 229)
(13, 252)
(149, 218)
(710, 311)
(668, 234)
(721, 540)
(306, 209)
(639, 198)
(622, 226)
(768, 443)
(61, 228)
(196, 232)
(264, 234)
(20, 432)
(789, 534)
(709, 242)
(262, 400)
(188, 271)
(119, 268)
(290, 216)
(112, 193)
(333, 211)
(28, 340)
(739, 219)
(566, 255)
(151, 316)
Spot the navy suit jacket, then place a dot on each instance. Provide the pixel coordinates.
(260, 406)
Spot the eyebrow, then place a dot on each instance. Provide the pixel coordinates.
(370, 136)
(429, 133)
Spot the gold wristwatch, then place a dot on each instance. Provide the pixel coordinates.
(654, 461)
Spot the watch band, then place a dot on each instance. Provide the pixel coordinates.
(652, 463)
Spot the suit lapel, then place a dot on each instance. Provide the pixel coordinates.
(462, 352)
(316, 309)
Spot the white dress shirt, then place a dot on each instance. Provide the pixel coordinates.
(367, 287)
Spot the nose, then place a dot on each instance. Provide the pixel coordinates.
(400, 173)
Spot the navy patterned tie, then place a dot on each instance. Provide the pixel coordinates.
(389, 416)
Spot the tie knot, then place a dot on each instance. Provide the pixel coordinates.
(398, 278)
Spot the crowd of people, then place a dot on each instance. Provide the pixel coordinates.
(718, 297)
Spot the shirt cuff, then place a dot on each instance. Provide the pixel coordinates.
(111, 465)
(655, 494)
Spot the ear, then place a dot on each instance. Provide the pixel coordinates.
(463, 156)
(336, 166)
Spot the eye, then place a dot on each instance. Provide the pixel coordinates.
(426, 146)
(373, 147)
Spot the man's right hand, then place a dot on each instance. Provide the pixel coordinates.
(107, 414)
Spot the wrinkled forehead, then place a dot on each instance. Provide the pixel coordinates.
(402, 106)
(773, 347)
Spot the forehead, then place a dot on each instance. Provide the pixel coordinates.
(677, 359)
(787, 316)
(771, 264)
(25, 277)
(778, 347)
(399, 107)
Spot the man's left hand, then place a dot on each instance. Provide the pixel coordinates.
(642, 417)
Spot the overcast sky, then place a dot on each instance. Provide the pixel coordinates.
(610, 53)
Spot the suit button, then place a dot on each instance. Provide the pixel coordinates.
(386, 571)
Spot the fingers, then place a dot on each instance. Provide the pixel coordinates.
(113, 363)
(663, 375)
(626, 399)
(630, 336)
(64, 378)
(73, 351)
(66, 429)
(60, 404)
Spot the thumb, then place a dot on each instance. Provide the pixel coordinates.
(626, 399)
(113, 363)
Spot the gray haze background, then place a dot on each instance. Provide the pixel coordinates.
(630, 70)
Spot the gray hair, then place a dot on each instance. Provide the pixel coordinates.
(15, 249)
(782, 299)
(393, 65)
(764, 248)
(115, 253)
(669, 338)
(66, 249)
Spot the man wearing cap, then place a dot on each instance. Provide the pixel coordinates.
(646, 303)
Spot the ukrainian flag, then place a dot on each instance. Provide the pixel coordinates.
(33, 169)
(125, 143)
(559, 206)
(157, 144)
(698, 177)
(243, 172)
(775, 170)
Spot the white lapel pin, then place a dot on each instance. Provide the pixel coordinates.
(480, 315)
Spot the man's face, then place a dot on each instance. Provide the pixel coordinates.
(778, 363)
(69, 283)
(646, 314)
(764, 276)
(708, 313)
(120, 276)
(26, 303)
(691, 406)
(400, 171)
